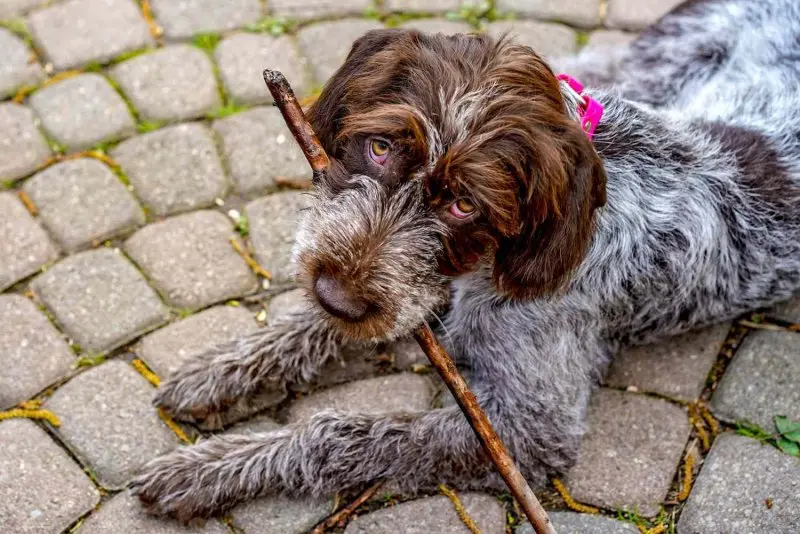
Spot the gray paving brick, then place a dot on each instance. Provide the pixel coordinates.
(82, 111)
(22, 147)
(579, 12)
(305, 9)
(43, 490)
(787, 311)
(191, 260)
(108, 420)
(406, 353)
(447, 27)
(433, 514)
(77, 32)
(243, 57)
(12, 8)
(99, 299)
(739, 478)
(165, 350)
(630, 454)
(281, 514)
(610, 38)
(430, 6)
(637, 14)
(174, 169)
(24, 246)
(676, 368)
(287, 303)
(257, 423)
(82, 202)
(273, 223)
(338, 37)
(124, 514)
(547, 39)
(761, 381)
(16, 67)
(171, 84)
(404, 392)
(184, 18)
(33, 354)
(257, 147)
(572, 523)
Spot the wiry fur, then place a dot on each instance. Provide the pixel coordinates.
(700, 166)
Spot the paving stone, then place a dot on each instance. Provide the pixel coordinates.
(761, 381)
(273, 223)
(607, 38)
(22, 147)
(637, 14)
(258, 423)
(280, 514)
(99, 299)
(788, 311)
(16, 67)
(584, 13)
(82, 111)
(404, 392)
(174, 169)
(24, 246)
(338, 37)
(125, 514)
(572, 523)
(630, 454)
(676, 368)
(33, 354)
(286, 304)
(75, 33)
(243, 57)
(108, 420)
(191, 260)
(447, 27)
(165, 350)
(407, 353)
(257, 147)
(43, 489)
(12, 8)
(430, 6)
(739, 476)
(547, 39)
(184, 18)
(306, 9)
(82, 202)
(433, 514)
(171, 84)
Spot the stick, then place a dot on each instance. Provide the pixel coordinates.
(339, 517)
(315, 154)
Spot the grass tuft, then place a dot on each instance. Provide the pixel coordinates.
(206, 41)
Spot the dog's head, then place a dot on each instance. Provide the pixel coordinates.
(448, 154)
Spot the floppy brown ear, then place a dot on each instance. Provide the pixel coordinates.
(540, 259)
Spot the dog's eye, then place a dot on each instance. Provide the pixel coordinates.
(379, 150)
(462, 209)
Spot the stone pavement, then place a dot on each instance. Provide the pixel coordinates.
(137, 141)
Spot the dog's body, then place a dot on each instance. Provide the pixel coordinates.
(699, 178)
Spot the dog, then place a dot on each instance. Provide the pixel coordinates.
(465, 180)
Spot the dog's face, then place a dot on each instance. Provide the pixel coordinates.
(448, 154)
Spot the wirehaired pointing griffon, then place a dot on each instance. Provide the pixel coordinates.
(468, 177)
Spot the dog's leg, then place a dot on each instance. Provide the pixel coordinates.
(235, 379)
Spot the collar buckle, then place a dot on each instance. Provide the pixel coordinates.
(590, 112)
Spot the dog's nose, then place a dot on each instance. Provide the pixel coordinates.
(337, 300)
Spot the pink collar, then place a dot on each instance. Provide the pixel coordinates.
(591, 112)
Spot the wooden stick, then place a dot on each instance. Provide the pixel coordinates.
(315, 154)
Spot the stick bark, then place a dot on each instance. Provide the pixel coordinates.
(309, 143)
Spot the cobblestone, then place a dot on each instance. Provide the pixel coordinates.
(447, 27)
(16, 68)
(572, 523)
(257, 147)
(285, 304)
(279, 514)
(43, 489)
(584, 13)
(82, 111)
(168, 348)
(788, 311)
(637, 14)
(273, 222)
(33, 354)
(99, 299)
(174, 169)
(75, 33)
(243, 57)
(190, 259)
(744, 486)
(676, 368)
(761, 381)
(338, 37)
(629, 455)
(430, 6)
(24, 246)
(548, 40)
(13, 8)
(22, 147)
(433, 514)
(184, 18)
(82, 202)
(307, 9)
(121, 431)
(610, 38)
